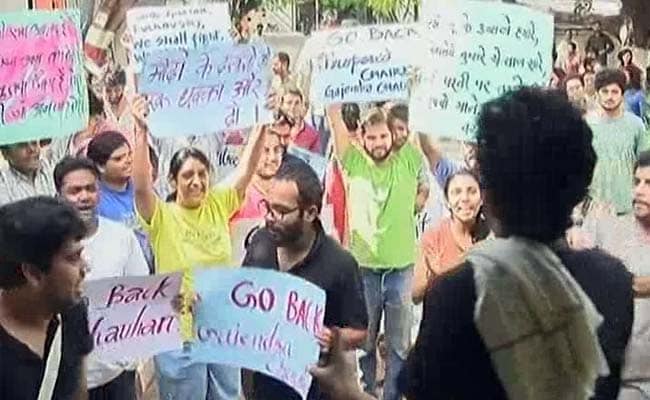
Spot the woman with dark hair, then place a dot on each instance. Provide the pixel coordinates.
(190, 231)
(626, 58)
(634, 94)
(442, 247)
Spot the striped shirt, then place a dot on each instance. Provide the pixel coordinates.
(14, 185)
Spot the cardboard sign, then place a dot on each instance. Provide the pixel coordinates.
(175, 27)
(42, 82)
(207, 90)
(363, 64)
(476, 53)
(132, 318)
(261, 320)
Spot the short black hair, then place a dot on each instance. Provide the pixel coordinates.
(608, 76)
(116, 78)
(95, 104)
(310, 188)
(33, 231)
(284, 58)
(537, 161)
(643, 160)
(71, 164)
(103, 145)
(351, 114)
(400, 112)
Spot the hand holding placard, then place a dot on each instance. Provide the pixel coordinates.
(260, 320)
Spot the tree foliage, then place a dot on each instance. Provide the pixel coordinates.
(386, 10)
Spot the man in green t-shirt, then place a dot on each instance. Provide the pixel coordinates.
(382, 183)
(618, 138)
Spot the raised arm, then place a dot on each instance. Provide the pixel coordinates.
(249, 160)
(339, 130)
(430, 151)
(145, 197)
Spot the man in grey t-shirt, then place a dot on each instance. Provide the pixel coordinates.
(628, 238)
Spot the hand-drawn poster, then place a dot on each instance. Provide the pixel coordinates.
(42, 81)
(177, 27)
(363, 64)
(476, 53)
(194, 92)
(196, 79)
(132, 318)
(261, 320)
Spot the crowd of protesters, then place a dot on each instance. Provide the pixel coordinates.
(532, 285)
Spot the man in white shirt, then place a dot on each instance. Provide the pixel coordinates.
(111, 250)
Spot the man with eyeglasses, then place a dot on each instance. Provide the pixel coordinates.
(27, 174)
(293, 241)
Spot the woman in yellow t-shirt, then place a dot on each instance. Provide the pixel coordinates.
(190, 231)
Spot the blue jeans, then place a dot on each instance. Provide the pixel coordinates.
(386, 292)
(179, 378)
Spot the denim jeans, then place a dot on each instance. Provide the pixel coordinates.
(387, 292)
(179, 378)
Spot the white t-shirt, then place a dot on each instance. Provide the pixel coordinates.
(113, 251)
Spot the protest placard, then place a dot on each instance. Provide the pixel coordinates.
(189, 27)
(131, 318)
(363, 64)
(200, 91)
(261, 320)
(42, 81)
(476, 53)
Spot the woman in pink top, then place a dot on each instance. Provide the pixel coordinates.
(443, 247)
(267, 166)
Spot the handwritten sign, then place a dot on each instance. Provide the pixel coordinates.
(42, 82)
(206, 90)
(316, 161)
(260, 320)
(477, 53)
(174, 27)
(132, 318)
(363, 64)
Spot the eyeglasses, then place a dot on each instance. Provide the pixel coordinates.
(266, 209)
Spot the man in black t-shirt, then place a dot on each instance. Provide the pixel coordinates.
(293, 241)
(41, 272)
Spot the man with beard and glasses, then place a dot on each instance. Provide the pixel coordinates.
(382, 188)
(42, 318)
(294, 242)
(111, 250)
(628, 238)
(619, 138)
